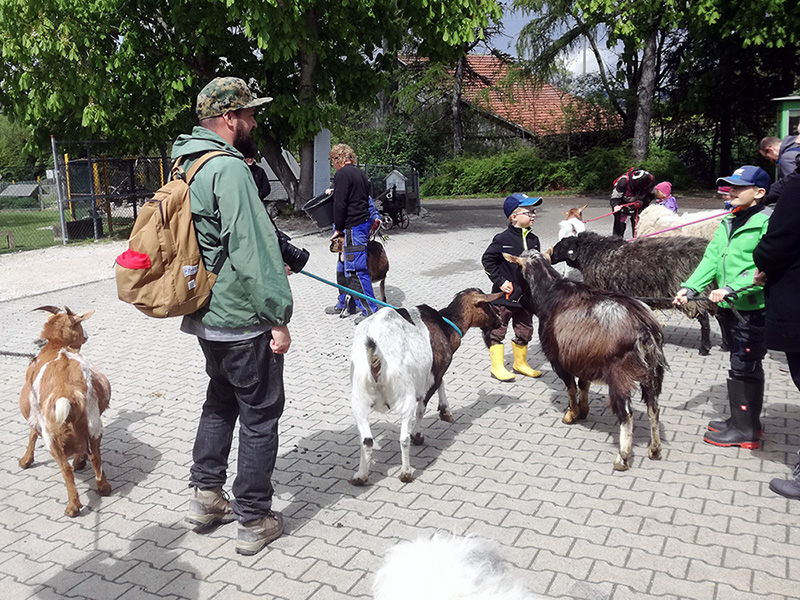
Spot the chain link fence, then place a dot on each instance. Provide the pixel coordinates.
(28, 215)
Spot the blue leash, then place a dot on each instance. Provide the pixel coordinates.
(370, 298)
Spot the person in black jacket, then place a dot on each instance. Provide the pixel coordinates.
(777, 257)
(261, 179)
(506, 277)
(351, 220)
(633, 192)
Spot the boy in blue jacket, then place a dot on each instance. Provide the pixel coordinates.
(505, 277)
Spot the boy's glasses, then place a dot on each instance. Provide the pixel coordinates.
(530, 213)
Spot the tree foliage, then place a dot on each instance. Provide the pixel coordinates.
(129, 70)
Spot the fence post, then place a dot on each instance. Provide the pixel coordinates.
(92, 197)
(59, 193)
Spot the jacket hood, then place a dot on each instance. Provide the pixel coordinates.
(201, 140)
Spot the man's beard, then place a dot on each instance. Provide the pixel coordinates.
(245, 143)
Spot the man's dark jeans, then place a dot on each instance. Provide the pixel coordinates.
(246, 383)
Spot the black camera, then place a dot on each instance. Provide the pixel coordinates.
(296, 258)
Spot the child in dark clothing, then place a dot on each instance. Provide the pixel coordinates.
(505, 277)
(728, 262)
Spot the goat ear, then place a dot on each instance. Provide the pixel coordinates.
(493, 297)
(583, 208)
(84, 316)
(514, 259)
(51, 309)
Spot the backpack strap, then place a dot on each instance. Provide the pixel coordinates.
(178, 171)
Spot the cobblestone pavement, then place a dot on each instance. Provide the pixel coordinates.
(699, 524)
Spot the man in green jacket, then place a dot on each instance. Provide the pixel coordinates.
(728, 263)
(242, 330)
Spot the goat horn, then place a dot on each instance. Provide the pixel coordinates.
(68, 311)
(51, 309)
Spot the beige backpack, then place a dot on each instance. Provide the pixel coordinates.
(162, 272)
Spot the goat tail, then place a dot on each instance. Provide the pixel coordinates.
(62, 410)
(649, 347)
(374, 358)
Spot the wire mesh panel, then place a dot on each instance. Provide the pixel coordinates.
(28, 213)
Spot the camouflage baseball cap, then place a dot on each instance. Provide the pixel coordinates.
(226, 94)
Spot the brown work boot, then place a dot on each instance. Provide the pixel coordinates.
(254, 535)
(209, 507)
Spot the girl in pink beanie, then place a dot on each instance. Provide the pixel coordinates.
(664, 196)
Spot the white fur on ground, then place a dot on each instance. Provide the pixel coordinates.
(447, 567)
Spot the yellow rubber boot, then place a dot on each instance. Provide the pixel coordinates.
(521, 361)
(499, 370)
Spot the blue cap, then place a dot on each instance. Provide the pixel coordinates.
(514, 201)
(747, 175)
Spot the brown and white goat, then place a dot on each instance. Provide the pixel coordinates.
(596, 335)
(62, 400)
(398, 361)
(377, 261)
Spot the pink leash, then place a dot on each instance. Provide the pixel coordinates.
(683, 225)
(608, 214)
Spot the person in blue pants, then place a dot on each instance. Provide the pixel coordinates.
(346, 303)
(352, 221)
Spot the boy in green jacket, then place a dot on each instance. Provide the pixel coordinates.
(728, 262)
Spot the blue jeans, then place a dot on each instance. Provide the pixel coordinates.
(246, 383)
(353, 272)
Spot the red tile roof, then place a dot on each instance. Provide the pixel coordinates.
(535, 106)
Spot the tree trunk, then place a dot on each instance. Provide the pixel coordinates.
(646, 93)
(307, 95)
(273, 153)
(725, 142)
(455, 107)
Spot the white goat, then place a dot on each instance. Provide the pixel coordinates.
(62, 400)
(447, 567)
(656, 218)
(398, 361)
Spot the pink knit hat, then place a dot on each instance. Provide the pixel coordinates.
(665, 187)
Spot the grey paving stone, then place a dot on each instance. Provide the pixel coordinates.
(699, 524)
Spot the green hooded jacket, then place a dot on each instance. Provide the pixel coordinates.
(728, 261)
(252, 288)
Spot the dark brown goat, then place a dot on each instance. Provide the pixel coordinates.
(596, 335)
(377, 261)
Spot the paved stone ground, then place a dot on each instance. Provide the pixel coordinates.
(699, 524)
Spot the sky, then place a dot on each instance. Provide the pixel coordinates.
(514, 20)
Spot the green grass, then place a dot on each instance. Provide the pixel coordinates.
(30, 233)
(28, 229)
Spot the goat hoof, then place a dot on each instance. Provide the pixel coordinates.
(358, 481)
(417, 439)
(704, 351)
(654, 453)
(25, 462)
(406, 477)
(569, 418)
(103, 488)
(620, 464)
(446, 416)
(78, 463)
(583, 414)
(73, 510)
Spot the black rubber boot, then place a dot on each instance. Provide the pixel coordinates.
(788, 488)
(746, 398)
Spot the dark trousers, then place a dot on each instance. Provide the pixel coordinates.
(619, 224)
(745, 336)
(522, 322)
(793, 358)
(246, 384)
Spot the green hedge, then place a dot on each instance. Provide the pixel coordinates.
(526, 170)
(16, 203)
